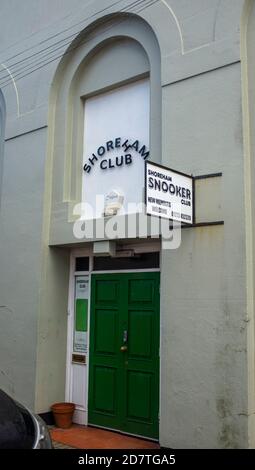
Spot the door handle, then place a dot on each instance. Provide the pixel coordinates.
(123, 348)
(125, 336)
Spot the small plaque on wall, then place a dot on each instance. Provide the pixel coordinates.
(78, 359)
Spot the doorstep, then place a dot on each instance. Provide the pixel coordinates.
(87, 437)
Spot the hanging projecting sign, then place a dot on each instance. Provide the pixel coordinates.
(168, 193)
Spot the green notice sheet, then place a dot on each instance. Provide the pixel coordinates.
(81, 314)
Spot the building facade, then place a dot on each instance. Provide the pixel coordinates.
(148, 329)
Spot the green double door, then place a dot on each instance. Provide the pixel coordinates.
(124, 353)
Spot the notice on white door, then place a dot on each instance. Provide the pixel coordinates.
(82, 287)
(168, 193)
(81, 314)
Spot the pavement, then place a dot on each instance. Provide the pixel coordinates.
(58, 445)
(87, 437)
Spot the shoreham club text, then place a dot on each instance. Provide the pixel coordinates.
(126, 149)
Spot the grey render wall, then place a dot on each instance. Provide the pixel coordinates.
(20, 259)
(23, 179)
(204, 342)
(203, 305)
(24, 24)
(248, 105)
(2, 134)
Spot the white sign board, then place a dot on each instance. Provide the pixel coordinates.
(116, 144)
(168, 193)
(82, 287)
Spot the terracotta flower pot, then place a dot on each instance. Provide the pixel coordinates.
(63, 414)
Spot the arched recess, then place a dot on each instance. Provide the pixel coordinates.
(248, 101)
(2, 131)
(105, 55)
(113, 51)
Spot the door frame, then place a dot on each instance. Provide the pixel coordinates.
(81, 410)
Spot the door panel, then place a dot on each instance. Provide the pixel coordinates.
(106, 321)
(104, 370)
(139, 396)
(124, 352)
(107, 291)
(141, 290)
(140, 326)
(106, 377)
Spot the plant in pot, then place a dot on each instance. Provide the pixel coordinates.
(63, 414)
